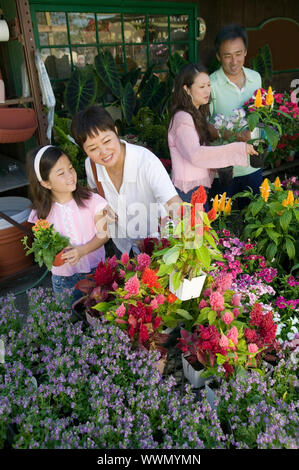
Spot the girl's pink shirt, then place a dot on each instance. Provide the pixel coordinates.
(192, 163)
(77, 223)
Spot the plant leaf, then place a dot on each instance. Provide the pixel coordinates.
(81, 90)
(107, 71)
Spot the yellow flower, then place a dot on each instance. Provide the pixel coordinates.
(277, 184)
(258, 99)
(269, 97)
(228, 207)
(265, 189)
(289, 201)
(221, 205)
(215, 203)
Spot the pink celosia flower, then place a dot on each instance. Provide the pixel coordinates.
(202, 304)
(160, 299)
(143, 261)
(113, 262)
(122, 273)
(227, 318)
(216, 301)
(224, 282)
(233, 334)
(252, 348)
(236, 300)
(236, 312)
(223, 342)
(207, 292)
(132, 285)
(154, 303)
(114, 286)
(124, 258)
(121, 310)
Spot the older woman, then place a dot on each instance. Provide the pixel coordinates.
(133, 180)
(190, 135)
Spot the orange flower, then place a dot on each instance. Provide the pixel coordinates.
(277, 184)
(289, 201)
(258, 99)
(221, 205)
(171, 298)
(215, 203)
(269, 97)
(41, 224)
(150, 278)
(265, 189)
(228, 207)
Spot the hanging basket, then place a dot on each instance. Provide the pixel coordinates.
(17, 124)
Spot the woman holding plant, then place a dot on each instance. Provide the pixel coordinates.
(190, 135)
(72, 210)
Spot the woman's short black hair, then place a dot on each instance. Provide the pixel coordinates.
(89, 122)
(231, 31)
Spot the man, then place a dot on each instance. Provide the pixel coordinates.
(231, 85)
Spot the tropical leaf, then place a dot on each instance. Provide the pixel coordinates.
(81, 90)
(272, 137)
(175, 63)
(252, 119)
(107, 71)
(153, 93)
(290, 248)
(128, 102)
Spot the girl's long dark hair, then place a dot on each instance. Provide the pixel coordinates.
(42, 197)
(181, 101)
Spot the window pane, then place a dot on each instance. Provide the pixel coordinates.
(52, 28)
(136, 56)
(109, 27)
(157, 28)
(179, 30)
(159, 55)
(134, 28)
(84, 55)
(82, 28)
(182, 49)
(57, 62)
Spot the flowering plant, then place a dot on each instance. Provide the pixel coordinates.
(222, 335)
(273, 216)
(192, 242)
(230, 127)
(262, 114)
(46, 244)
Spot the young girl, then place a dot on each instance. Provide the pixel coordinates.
(72, 209)
(190, 135)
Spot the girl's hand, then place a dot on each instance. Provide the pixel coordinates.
(73, 255)
(251, 150)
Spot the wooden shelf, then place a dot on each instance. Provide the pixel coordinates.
(21, 100)
(280, 168)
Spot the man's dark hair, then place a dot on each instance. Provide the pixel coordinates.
(231, 31)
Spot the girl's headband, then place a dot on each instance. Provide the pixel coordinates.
(37, 160)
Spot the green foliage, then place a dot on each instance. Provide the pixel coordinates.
(152, 130)
(262, 63)
(81, 90)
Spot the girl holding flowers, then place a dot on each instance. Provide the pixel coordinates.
(74, 211)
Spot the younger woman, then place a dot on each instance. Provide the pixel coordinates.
(72, 209)
(190, 135)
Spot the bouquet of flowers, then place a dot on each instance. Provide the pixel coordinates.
(46, 245)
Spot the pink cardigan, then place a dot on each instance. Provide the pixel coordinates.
(192, 162)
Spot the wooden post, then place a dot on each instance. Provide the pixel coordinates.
(27, 37)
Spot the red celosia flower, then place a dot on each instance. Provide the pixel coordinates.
(212, 214)
(150, 278)
(171, 298)
(199, 196)
(256, 315)
(105, 275)
(143, 333)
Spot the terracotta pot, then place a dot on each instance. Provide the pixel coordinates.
(226, 175)
(58, 261)
(17, 124)
(12, 254)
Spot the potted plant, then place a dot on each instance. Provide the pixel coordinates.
(48, 245)
(192, 248)
(229, 130)
(263, 121)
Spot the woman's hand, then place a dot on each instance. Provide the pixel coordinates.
(251, 150)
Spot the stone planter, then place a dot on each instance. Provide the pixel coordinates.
(188, 289)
